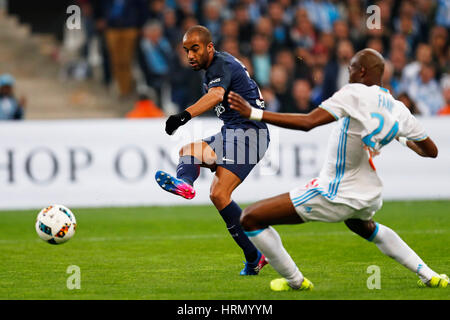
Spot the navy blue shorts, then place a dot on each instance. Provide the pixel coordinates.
(239, 150)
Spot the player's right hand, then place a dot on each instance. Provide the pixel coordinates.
(177, 120)
(239, 104)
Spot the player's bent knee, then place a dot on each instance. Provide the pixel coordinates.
(249, 220)
(184, 150)
(245, 220)
(362, 228)
(219, 199)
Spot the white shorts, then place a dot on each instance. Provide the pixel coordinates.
(313, 206)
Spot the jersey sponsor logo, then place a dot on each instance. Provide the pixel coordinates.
(219, 109)
(214, 81)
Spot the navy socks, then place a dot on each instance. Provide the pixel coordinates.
(231, 215)
(188, 169)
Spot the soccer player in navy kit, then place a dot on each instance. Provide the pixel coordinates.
(231, 153)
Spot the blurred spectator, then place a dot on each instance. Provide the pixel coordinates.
(302, 32)
(254, 9)
(317, 91)
(286, 59)
(321, 55)
(424, 54)
(186, 83)
(387, 23)
(445, 84)
(340, 30)
(288, 11)
(229, 30)
(155, 55)
(171, 32)
(336, 71)
(357, 25)
(328, 41)
(304, 63)
(279, 83)
(301, 98)
(231, 46)
(439, 45)
(270, 100)
(100, 29)
(407, 24)
(322, 14)
(403, 97)
(121, 21)
(264, 27)
(376, 44)
(388, 81)
(187, 22)
(185, 9)
(398, 42)
(248, 65)
(280, 34)
(398, 60)
(10, 107)
(245, 27)
(212, 19)
(145, 108)
(426, 92)
(156, 10)
(443, 13)
(261, 59)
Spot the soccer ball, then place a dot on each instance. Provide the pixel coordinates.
(55, 224)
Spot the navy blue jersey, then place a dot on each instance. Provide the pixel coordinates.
(229, 73)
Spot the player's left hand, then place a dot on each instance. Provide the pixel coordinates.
(239, 104)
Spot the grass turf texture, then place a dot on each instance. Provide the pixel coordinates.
(181, 253)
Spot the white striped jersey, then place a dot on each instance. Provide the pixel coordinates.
(368, 118)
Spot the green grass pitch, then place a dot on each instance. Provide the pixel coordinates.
(183, 253)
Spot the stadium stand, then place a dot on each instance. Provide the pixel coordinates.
(279, 41)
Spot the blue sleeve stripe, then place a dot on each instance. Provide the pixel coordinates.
(254, 233)
(374, 234)
(419, 139)
(331, 112)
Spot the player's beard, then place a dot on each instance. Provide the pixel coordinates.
(202, 62)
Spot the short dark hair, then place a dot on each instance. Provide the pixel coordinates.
(202, 32)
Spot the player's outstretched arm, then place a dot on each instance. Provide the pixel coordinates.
(205, 103)
(304, 122)
(424, 148)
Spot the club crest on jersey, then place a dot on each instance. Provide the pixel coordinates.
(260, 103)
(219, 109)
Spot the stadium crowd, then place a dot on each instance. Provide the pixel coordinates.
(297, 51)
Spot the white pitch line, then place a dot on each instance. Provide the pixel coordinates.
(224, 235)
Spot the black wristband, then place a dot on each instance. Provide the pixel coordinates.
(185, 116)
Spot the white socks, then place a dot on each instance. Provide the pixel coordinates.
(393, 246)
(269, 243)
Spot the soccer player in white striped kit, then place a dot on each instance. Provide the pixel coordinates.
(348, 188)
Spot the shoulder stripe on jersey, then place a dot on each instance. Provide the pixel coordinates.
(419, 139)
(329, 111)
